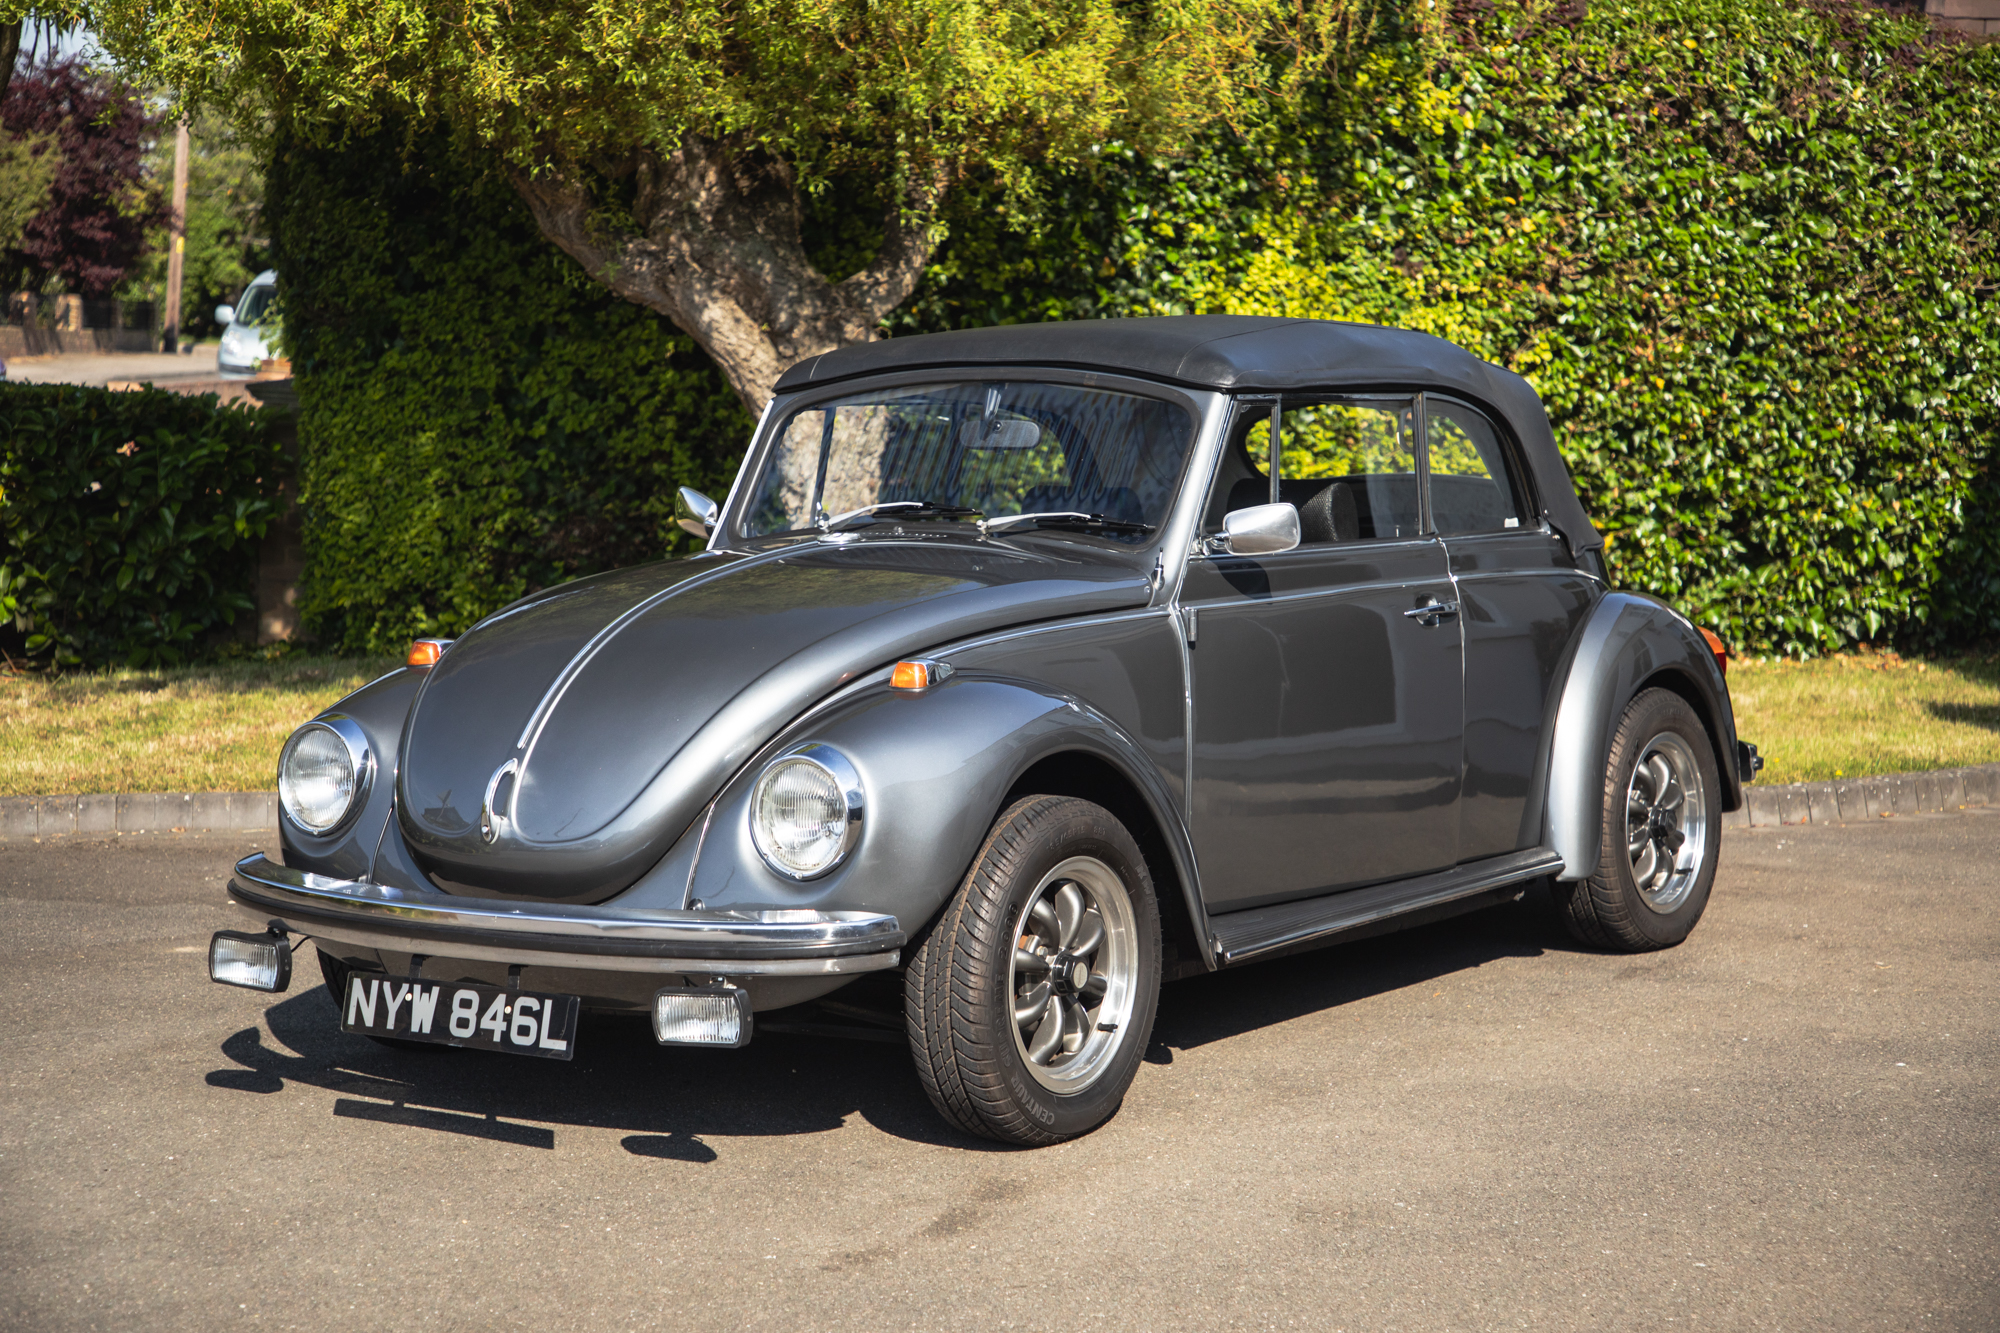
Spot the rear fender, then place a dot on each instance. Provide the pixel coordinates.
(935, 766)
(1629, 643)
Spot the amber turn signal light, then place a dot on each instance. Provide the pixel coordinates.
(426, 652)
(918, 675)
(1721, 650)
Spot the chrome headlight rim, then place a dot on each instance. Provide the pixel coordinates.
(360, 755)
(836, 766)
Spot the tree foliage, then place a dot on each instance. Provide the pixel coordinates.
(668, 148)
(129, 521)
(1745, 249)
(478, 420)
(28, 165)
(921, 88)
(1748, 251)
(100, 205)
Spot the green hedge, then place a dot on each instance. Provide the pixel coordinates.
(129, 522)
(1748, 251)
(477, 420)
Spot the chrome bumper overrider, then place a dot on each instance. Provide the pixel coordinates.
(792, 942)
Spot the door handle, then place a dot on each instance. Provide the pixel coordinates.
(1431, 613)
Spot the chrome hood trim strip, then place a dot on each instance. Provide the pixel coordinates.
(560, 685)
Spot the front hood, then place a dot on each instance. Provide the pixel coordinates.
(626, 700)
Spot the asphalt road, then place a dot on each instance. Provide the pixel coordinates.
(101, 368)
(1787, 1123)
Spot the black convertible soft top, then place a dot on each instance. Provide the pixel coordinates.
(1242, 354)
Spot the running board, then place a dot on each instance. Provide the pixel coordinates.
(1285, 927)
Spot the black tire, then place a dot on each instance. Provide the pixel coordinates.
(336, 973)
(1613, 909)
(959, 991)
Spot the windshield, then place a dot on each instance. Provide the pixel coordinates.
(999, 448)
(257, 304)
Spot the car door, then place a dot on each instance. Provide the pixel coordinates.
(1521, 599)
(1326, 698)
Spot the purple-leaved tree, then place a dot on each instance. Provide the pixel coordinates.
(100, 206)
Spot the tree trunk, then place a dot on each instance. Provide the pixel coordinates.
(716, 249)
(10, 51)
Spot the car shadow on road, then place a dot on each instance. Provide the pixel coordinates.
(1221, 1005)
(668, 1101)
(675, 1103)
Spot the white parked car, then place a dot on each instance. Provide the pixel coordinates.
(248, 326)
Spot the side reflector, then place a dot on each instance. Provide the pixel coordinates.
(426, 652)
(918, 674)
(1721, 651)
(254, 962)
(713, 1016)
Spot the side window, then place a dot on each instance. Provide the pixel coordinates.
(1351, 468)
(1471, 489)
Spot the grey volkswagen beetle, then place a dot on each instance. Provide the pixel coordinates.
(1041, 665)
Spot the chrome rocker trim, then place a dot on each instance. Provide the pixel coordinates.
(786, 942)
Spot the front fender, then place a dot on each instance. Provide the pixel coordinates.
(1631, 641)
(935, 767)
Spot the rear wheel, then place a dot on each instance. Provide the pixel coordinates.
(1030, 1003)
(1661, 832)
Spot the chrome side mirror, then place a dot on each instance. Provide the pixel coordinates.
(695, 511)
(225, 315)
(1260, 529)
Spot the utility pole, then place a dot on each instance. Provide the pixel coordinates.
(170, 339)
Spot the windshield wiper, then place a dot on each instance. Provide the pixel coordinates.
(902, 509)
(1065, 519)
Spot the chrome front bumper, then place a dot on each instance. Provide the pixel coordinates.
(797, 942)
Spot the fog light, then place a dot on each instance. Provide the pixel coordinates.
(714, 1016)
(255, 962)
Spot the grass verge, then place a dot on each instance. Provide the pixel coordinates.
(217, 727)
(1856, 714)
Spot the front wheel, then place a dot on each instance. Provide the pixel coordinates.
(1662, 832)
(1030, 1003)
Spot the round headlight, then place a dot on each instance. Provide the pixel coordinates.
(323, 772)
(806, 812)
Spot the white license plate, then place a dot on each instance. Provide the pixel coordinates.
(461, 1013)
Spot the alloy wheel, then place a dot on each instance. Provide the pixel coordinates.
(1073, 974)
(1666, 821)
